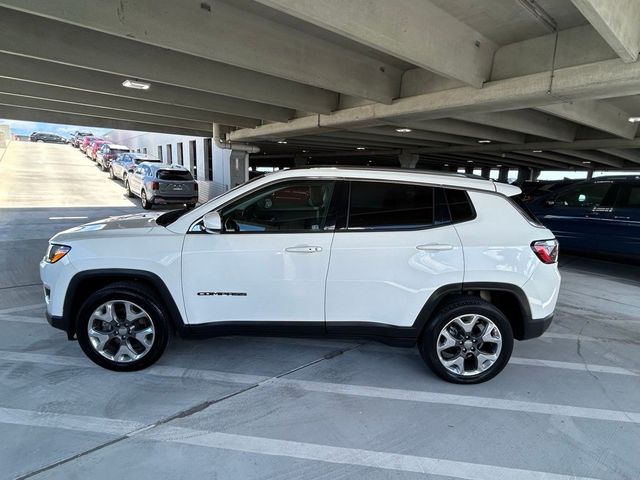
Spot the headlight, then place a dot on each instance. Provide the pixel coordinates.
(56, 252)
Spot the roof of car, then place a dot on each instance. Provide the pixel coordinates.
(167, 166)
(404, 175)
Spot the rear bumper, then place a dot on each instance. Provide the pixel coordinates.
(536, 327)
(160, 200)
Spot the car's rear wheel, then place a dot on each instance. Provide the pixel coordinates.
(468, 341)
(146, 203)
(123, 327)
(128, 188)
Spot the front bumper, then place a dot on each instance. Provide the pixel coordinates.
(536, 327)
(60, 323)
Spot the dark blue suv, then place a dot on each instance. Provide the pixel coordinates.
(600, 216)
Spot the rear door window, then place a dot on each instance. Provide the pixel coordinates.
(390, 206)
(628, 196)
(460, 205)
(586, 195)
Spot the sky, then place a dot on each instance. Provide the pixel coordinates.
(21, 127)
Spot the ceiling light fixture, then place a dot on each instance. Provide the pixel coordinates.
(634, 119)
(138, 85)
(469, 161)
(360, 148)
(586, 162)
(282, 141)
(499, 165)
(484, 141)
(403, 130)
(537, 151)
(446, 164)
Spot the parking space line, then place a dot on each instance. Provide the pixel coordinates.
(22, 308)
(275, 447)
(67, 421)
(23, 319)
(347, 456)
(158, 370)
(585, 367)
(461, 400)
(532, 362)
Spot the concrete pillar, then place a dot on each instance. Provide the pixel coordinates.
(535, 173)
(503, 175)
(524, 174)
(451, 168)
(486, 172)
(408, 160)
(589, 174)
(468, 169)
(299, 160)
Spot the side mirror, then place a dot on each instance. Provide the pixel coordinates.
(131, 170)
(212, 222)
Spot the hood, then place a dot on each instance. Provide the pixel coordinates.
(135, 224)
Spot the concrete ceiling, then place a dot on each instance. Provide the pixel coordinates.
(330, 76)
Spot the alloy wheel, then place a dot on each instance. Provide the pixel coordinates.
(121, 331)
(469, 345)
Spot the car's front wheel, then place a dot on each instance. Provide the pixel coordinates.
(468, 341)
(123, 327)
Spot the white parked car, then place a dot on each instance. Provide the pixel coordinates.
(447, 261)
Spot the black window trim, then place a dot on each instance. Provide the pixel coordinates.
(341, 178)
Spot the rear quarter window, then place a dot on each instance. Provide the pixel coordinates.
(460, 206)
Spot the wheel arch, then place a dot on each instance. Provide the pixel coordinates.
(84, 283)
(508, 298)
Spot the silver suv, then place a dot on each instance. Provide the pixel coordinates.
(162, 183)
(126, 163)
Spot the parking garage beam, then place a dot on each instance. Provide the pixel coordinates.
(503, 174)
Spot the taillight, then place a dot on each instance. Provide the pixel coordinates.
(155, 186)
(546, 250)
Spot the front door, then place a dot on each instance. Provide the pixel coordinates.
(269, 263)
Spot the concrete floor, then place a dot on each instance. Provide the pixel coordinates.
(567, 406)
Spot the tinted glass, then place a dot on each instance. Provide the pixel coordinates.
(116, 151)
(290, 207)
(629, 196)
(377, 205)
(174, 175)
(459, 205)
(586, 195)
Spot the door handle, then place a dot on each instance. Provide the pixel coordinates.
(435, 247)
(303, 249)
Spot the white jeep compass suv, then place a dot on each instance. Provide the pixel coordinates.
(447, 261)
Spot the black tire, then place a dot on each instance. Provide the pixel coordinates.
(128, 188)
(131, 292)
(146, 203)
(428, 342)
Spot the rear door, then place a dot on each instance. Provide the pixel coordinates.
(392, 250)
(623, 221)
(577, 215)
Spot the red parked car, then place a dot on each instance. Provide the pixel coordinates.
(94, 147)
(86, 141)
